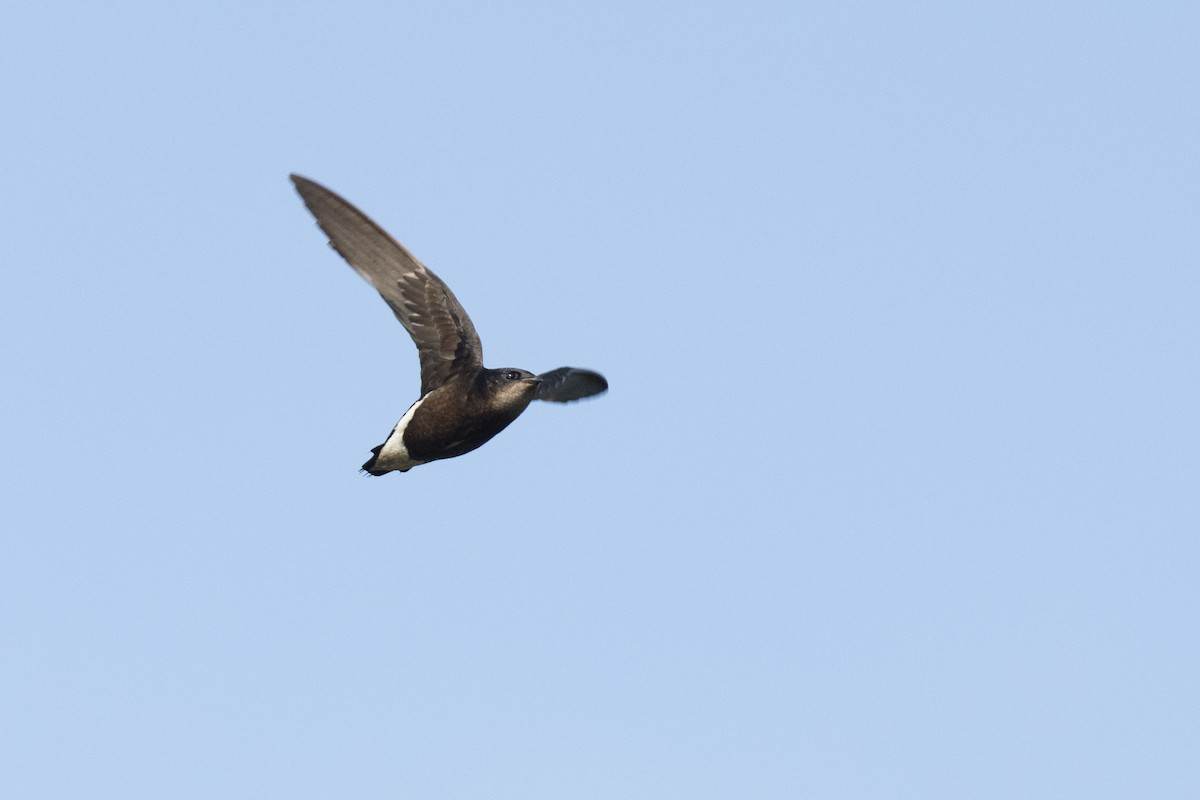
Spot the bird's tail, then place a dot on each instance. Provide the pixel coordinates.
(370, 468)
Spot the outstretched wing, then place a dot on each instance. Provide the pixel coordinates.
(565, 384)
(447, 343)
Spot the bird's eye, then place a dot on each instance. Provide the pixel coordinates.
(512, 375)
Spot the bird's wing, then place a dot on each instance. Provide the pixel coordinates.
(565, 384)
(447, 343)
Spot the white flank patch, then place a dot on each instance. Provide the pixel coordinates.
(394, 455)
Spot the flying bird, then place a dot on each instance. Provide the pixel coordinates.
(462, 404)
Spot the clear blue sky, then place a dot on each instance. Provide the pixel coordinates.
(895, 494)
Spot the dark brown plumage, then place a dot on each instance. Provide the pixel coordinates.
(462, 403)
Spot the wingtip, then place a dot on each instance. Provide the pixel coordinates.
(568, 384)
(309, 190)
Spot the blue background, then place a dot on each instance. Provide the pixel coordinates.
(894, 493)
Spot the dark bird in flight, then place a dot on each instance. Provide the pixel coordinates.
(462, 403)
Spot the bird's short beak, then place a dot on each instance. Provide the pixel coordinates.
(535, 380)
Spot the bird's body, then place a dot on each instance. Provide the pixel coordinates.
(462, 403)
(453, 419)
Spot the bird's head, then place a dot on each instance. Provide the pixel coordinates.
(511, 387)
